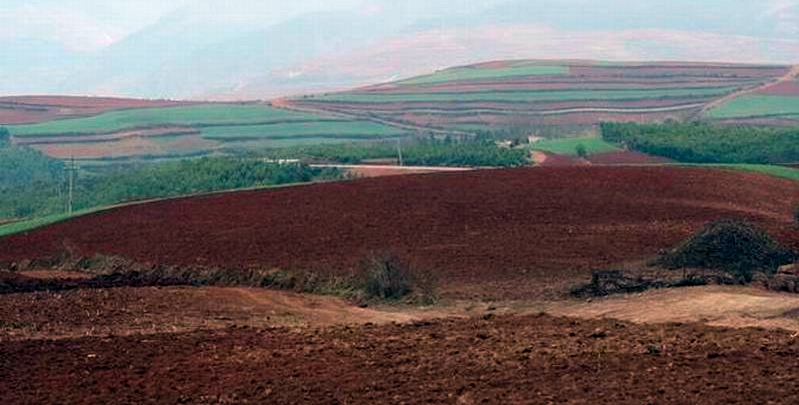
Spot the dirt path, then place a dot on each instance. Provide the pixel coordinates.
(792, 74)
(149, 311)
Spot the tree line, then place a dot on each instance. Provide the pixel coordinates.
(32, 184)
(705, 143)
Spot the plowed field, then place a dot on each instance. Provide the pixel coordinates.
(498, 233)
(496, 360)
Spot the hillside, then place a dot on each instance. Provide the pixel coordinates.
(546, 97)
(516, 233)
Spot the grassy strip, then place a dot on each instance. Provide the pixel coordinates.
(34, 223)
(381, 276)
(771, 170)
(527, 95)
(568, 146)
(756, 106)
(350, 129)
(205, 114)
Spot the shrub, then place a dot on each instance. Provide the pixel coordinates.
(734, 246)
(386, 276)
(796, 215)
(581, 151)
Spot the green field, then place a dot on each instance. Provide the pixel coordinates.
(342, 129)
(771, 170)
(757, 106)
(200, 115)
(568, 146)
(522, 96)
(479, 73)
(30, 224)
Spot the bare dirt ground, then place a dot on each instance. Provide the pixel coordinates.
(489, 359)
(150, 310)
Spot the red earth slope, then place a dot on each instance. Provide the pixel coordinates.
(492, 228)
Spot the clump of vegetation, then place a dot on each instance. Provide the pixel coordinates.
(733, 246)
(387, 277)
(607, 282)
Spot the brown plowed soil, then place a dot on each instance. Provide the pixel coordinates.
(33, 109)
(495, 233)
(496, 360)
(626, 157)
(785, 88)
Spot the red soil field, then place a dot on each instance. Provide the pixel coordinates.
(782, 89)
(33, 109)
(498, 360)
(626, 157)
(495, 233)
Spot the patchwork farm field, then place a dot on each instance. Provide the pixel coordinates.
(188, 130)
(772, 104)
(499, 95)
(492, 234)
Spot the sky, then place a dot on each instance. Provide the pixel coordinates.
(88, 25)
(166, 48)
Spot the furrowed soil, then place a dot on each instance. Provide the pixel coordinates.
(496, 234)
(493, 359)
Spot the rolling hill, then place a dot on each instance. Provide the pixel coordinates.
(510, 233)
(541, 97)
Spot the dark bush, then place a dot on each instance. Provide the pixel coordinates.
(386, 276)
(734, 246)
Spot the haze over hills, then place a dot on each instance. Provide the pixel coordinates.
(203, 49)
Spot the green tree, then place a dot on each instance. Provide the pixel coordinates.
(581, 151)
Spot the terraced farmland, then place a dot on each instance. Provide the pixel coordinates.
(773, 104)
(193, 129)
(532, 95)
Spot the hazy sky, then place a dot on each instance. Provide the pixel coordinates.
(87, 25)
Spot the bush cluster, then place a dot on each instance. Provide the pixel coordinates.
(734, 246)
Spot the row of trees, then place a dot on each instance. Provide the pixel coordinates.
(705, 143)
(32, 184)
(427, 152)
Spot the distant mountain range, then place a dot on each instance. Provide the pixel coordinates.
(199, 51)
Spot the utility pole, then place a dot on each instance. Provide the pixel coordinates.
(72, 168)
(399, 152)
